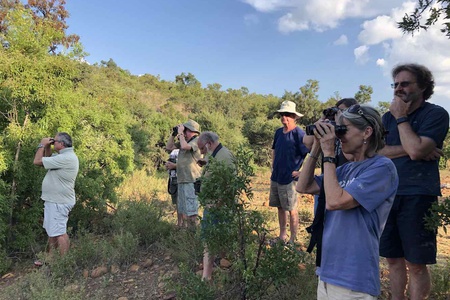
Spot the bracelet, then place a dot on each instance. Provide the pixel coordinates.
(316, 158)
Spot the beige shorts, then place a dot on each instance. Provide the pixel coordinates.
(283, 195)
(55, 218)
(326, 291)
(187, 202)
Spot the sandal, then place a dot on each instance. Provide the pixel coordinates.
(38, 263)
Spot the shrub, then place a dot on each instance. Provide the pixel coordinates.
(257, 269)
(143, 219)
(439, 215)
(189, 286)
(125, 248)
(39, 286)
(440, 275)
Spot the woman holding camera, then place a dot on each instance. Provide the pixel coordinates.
(359, 196)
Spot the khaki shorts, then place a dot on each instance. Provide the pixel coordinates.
(55, 218)
(187, 199)
(326, 291)
(283, 195)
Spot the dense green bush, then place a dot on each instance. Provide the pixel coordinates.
(142, 219)
(257, 270)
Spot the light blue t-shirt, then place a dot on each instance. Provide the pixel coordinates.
(351, 238)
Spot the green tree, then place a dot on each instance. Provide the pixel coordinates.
(49, 14)
(364, 95)
(307, 101)
(435, 9)
(383, 107)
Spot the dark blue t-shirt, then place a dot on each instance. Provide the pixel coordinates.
(419, 177)
(289, 154)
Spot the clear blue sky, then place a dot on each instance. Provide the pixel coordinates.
(268, 46)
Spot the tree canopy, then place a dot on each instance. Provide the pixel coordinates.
(434, 10)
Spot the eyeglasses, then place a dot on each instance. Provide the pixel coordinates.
(356, 109)
(403, 84)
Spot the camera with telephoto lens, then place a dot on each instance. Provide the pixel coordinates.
(339, 130)
(172, 160)
(175, 131)
(330, 112)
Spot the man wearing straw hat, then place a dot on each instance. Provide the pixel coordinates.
(288, 152)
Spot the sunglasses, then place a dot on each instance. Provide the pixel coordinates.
(403, 84)
(356, 109)
(284, 114)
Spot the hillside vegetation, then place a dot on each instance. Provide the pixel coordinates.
(119, 122)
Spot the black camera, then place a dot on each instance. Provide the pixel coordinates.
(172, 160)
(330, 112)
(339, 130)
(175, 131)
(52, 141)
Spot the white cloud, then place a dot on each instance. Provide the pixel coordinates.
(342, 40)
(379, 32)
(379, 29)
(361, 54)
(288, 23)
(381, 62)
(320, 15)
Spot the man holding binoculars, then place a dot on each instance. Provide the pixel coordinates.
(187, 169)
(58, 186)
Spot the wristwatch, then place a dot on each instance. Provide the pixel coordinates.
(402, 120)
(40, 146)
(329, 159)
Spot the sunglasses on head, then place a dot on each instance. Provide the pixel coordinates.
(356, 109)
